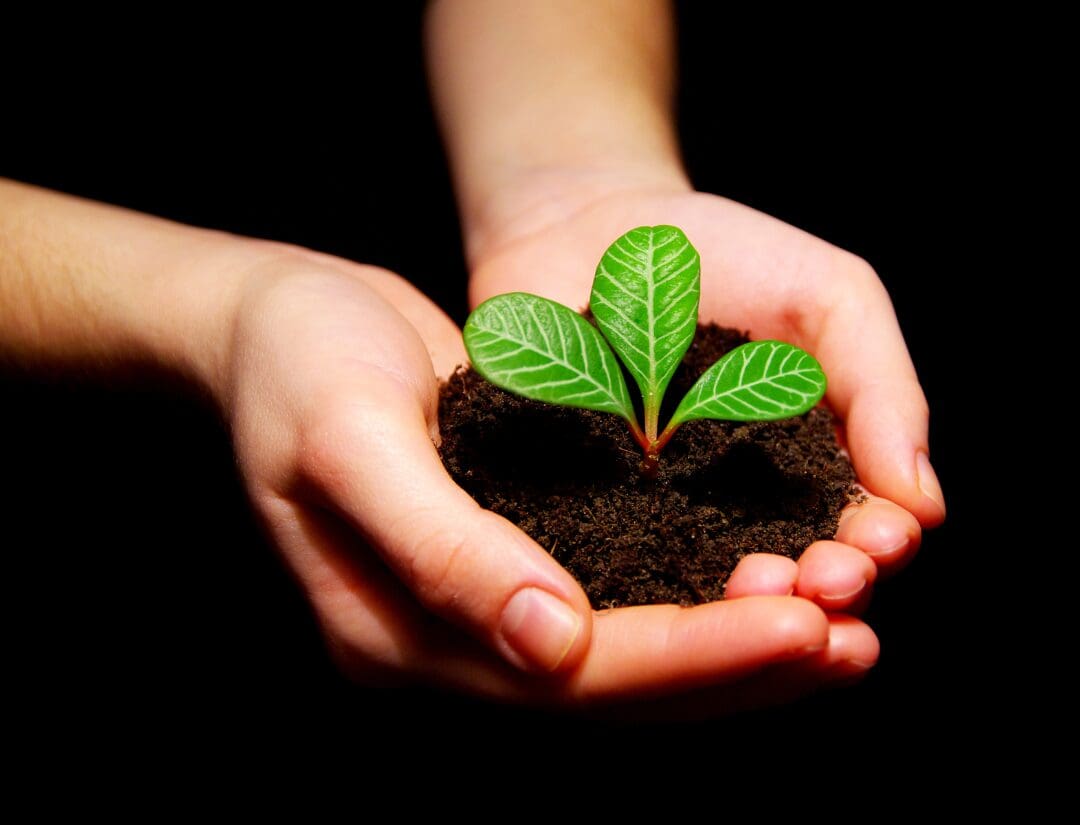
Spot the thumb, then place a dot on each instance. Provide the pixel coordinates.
(463, 563)
(873, 386)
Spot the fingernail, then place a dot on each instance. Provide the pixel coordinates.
(539, 627)
(860, 665)
(849, 672)
(836, 597)
(889, 544)
(810, 649)
(928, 481)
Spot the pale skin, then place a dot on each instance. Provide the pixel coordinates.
(326, 373)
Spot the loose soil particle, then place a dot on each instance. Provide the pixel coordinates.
(569, 478)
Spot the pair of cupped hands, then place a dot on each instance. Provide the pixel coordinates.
(330, 385)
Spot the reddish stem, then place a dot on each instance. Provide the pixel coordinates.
(664, 438)
(639, 436)
(650, 464)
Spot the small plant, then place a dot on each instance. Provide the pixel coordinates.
(645, 302)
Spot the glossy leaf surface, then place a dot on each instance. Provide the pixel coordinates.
(759, 381)
(645, 301)
(542, 350)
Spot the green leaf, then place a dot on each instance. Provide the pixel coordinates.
(542, 350)
(645, 301)
(759, 381)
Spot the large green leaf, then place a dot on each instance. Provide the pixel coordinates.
(759, 381)
(542, 350)
(645, 301)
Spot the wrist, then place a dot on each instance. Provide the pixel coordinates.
(549, 105)
(535, 198)
(88, 286)
(206, 292)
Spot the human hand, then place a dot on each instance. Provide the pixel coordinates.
(325, 371)
(759, 274)
(331, 393)
(561, 138)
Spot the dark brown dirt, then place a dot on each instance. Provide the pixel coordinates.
(569, 478)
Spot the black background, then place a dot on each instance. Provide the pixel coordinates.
(144, 605)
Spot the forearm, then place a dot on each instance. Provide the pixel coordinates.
(85, 284)
(536, 93)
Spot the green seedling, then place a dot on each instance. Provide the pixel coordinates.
(645, 303)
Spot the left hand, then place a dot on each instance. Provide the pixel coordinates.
(779, 282)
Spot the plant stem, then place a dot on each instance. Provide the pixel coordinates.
(650, 465)
(650, 443)
(652, 419)
(659, 443)
(639, 436)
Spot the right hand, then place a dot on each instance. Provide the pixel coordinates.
(330, 388)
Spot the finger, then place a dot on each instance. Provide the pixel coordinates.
(853, 647)
(850, 654)
(379, 634)
(873, 387)
(852, 651)
(835, 576)
(663, 648)
(376, 632)
(380, 470)
(885, 531)
(762, 574)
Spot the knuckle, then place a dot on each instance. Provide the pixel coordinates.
(855, 266)
(854, 277)
(337, 423)
(329, 438)
(791, 629)
(279, 293)
(440, 564)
